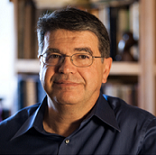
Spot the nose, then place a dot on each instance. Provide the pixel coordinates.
(66, 66)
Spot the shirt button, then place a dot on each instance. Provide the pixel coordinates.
(67, 141)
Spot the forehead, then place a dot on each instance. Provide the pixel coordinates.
(70, 39)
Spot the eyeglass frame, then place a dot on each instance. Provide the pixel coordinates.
(65, 55)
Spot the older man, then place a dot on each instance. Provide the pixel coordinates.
(75, 118)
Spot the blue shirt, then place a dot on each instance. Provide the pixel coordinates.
(112, 127)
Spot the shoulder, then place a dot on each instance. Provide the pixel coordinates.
(16, 120)
(136, 125)
(10, 126)
(128, 114)
(118, 105)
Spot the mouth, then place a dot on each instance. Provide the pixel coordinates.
(66, 85)
(62, 82)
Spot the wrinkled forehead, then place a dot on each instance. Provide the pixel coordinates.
(65, 39)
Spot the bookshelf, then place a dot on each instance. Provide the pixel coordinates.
(125, 68)
(27, 66)
(144, 70)
(33, 67)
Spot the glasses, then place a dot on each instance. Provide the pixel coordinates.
(77, 59)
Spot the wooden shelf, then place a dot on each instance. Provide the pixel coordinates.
(118, 68)
(125, 68)
(27, 66)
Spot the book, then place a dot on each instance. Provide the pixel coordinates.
(29, 91)
(27, 34)
(134, 27)
(104, 17)
(20, 25)
(122, 22)
(29, 30)
(113, 12)
(127, 92)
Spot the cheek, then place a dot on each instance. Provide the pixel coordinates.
(45, 75)
(92, 76)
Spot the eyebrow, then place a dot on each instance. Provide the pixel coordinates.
(81, 49)
(86, 49)
(54, 50)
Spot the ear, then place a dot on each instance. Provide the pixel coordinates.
(40, 61)
(106, 68)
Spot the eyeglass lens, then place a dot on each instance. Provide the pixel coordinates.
(78, 59)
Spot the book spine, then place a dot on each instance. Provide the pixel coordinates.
(30, 90)
(127, 92)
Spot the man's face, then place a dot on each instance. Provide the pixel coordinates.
(66, 83)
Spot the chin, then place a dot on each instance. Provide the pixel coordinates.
(67, 98)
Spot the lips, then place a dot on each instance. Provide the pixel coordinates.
(65, 85)
(64, 82)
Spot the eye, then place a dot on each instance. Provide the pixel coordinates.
(51, 57)
(84, 56)
(54, 56)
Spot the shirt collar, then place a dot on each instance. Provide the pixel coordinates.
(102, 110)
(35, 120)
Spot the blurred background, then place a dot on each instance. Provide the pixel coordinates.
(131, 25)
(7, 56)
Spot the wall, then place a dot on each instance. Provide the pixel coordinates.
(7, 54)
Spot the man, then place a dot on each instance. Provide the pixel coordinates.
(75, 118)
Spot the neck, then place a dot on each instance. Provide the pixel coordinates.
(63, 119)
